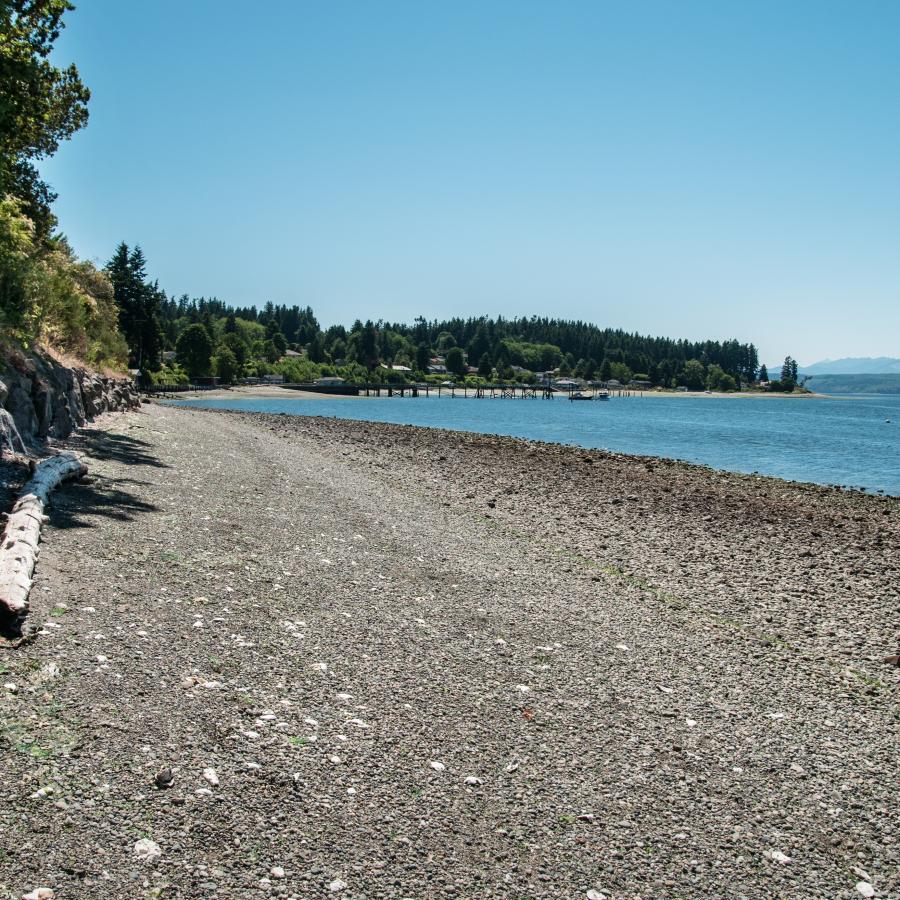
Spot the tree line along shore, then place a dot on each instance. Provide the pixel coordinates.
(195, 339)
(116, 317)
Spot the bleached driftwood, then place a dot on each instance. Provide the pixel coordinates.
(19, 549)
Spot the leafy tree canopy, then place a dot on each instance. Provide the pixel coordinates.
(226, 365)
(456, 362)
(41, 105)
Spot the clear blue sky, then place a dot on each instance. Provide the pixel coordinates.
(691, 169)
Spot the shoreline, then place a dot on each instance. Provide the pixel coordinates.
(470, 437)
(393, 656)
(623, 454)
(274, 390)
(850, 488)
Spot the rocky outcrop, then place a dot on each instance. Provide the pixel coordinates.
(49, 400)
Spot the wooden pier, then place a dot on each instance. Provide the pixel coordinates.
(412, 389)
(479, 392)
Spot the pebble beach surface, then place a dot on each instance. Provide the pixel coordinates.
(304, 657)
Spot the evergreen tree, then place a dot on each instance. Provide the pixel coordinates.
(484, 366)
(368, 345)
(420, 330)
(194, 349)
(763, 373)
(788, 374)
(119, 273)
(206, 320)
(138, 304)
(456, 362)
(268, 315)
(280, 343)
(786, 369)
(315, 350)
(307, 325)
(423, 357)
(479, 345)
(137, 262)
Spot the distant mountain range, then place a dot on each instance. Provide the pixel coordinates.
(852, 365)
(847, 365)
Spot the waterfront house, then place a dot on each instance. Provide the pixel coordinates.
(329, 381)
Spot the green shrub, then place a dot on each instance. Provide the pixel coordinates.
(169, 374)
(48, 296)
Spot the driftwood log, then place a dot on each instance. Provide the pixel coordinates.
(19, 549)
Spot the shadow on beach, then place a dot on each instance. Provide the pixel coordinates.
(110, 445)
(77, 502)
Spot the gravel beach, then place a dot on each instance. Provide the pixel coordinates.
(305, 657)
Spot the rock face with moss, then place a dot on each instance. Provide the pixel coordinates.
(49, 400)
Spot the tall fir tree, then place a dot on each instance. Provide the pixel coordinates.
(788, 370)
(138, 304)
(368, 345)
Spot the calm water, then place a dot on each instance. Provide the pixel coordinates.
(836, 440)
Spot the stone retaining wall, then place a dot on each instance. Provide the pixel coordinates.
(48, 399)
